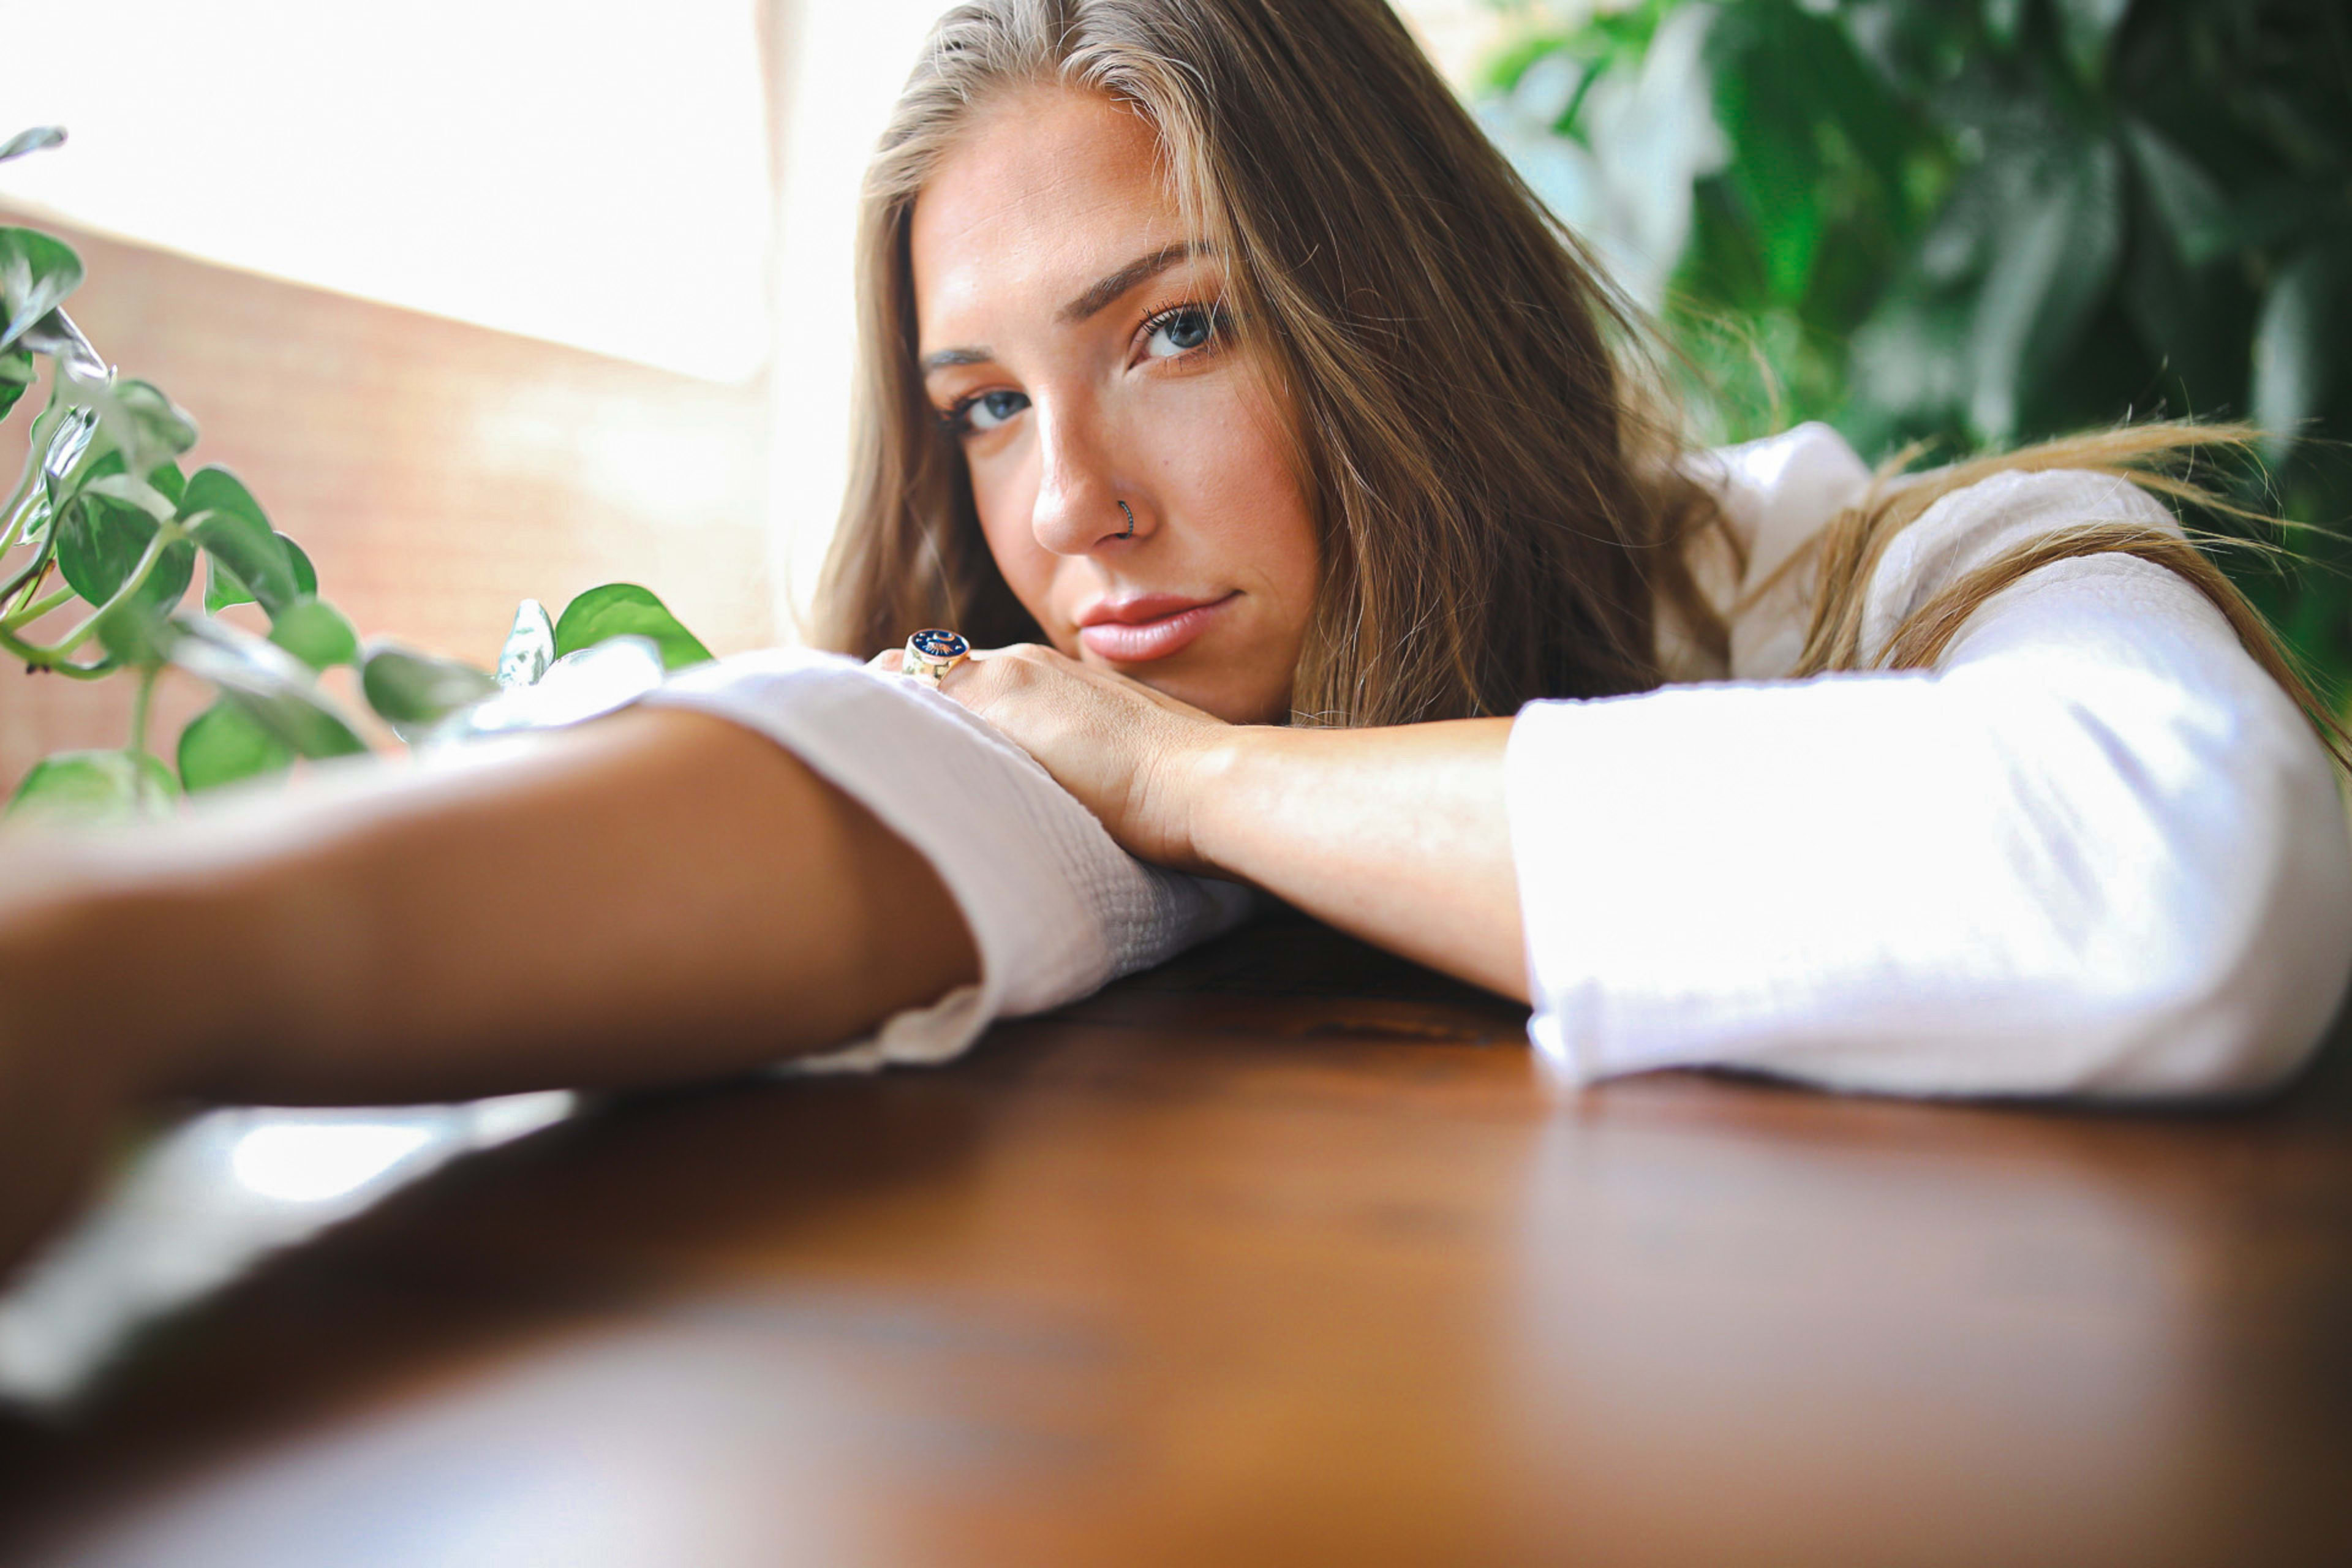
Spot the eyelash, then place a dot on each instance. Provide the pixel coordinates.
(1219, 325)
(956, 420)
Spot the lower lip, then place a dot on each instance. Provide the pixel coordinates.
(1148, 640)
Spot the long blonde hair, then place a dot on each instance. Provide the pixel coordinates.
(1500, 513)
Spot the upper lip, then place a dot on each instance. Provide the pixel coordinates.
(1141, 607)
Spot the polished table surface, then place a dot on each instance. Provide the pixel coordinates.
(1285, 1254)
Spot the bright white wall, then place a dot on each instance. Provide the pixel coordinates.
(844, 61)
(594, 174)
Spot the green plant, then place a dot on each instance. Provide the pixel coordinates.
(1978, 222)
(102, 517)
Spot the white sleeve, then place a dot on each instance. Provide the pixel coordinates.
(2094, 852)
(1056, 906)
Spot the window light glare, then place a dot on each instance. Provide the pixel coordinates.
(588, 177)
(321, 1161)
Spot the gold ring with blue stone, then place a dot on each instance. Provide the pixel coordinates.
(931, 653)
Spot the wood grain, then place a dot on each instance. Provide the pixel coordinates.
(1286, 1254)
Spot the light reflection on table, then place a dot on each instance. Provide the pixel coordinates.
(200, 1203)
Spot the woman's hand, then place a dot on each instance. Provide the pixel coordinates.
(1129, 753)
(1397, 835)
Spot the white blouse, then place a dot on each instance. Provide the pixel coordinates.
(2095, 851)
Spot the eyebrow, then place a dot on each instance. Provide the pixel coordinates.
(946, 358)
(1097, 299)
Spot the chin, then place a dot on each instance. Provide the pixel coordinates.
(1227, 699)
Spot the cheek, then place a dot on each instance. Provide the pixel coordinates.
(1005, 501)
(1255, 505)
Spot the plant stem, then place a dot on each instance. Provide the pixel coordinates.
(166, 535)
(20, 499)
(36, 610)
(23, 585)
(47, 659)
(28, 582)
(139, 705)
(44, 427)
(17, 511)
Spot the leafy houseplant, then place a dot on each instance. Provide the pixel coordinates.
(103, 517)
(1988, 221)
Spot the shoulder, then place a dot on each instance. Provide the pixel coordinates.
(1973, 525)
(1772, 498)
(1778, 492)
(1777, 495)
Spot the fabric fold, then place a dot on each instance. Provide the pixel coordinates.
(1056, 906)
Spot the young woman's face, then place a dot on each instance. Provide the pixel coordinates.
(1073, 336)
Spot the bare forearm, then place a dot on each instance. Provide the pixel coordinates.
(1398, 836)
(656, 897)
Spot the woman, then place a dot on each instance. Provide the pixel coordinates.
(1215, 363)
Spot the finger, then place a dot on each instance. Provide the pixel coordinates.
(966, 681)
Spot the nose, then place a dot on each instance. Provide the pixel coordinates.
(1078, 507)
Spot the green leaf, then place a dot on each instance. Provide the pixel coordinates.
(2053, 262)
(36, 528)
(136, 634)
(1762, 78)
(414, 690)
(2197, 216)
(306, 576)
(624, 609)
(581, 686)
(2088, 28)
(16, 374)
(224, 743)
(230, 524)
(38, 139)
(2272, 213)
(36, 273)
(86, 788)
(56, 336)
(117, 486)
(1909, 364)
(223, 588)
(529, 645)
(269, 684)
(2172, 310)
(315, 632)
(148, 428)
(100, 540)
(2292, 348)
(61, 462)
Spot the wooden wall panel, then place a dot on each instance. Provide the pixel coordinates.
(435, 471)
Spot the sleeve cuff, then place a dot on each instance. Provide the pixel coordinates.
(1056, 906)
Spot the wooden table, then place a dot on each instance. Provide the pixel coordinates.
(1285, 1254)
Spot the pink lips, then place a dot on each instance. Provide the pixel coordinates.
(1149, 626)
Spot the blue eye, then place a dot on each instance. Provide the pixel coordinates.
(988, 410)
(1179, 331)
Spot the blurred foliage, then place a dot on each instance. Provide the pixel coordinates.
(1980, 222)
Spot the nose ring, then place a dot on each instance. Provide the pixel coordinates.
(1130, 522)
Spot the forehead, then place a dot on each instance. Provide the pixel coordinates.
(1044, 193)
